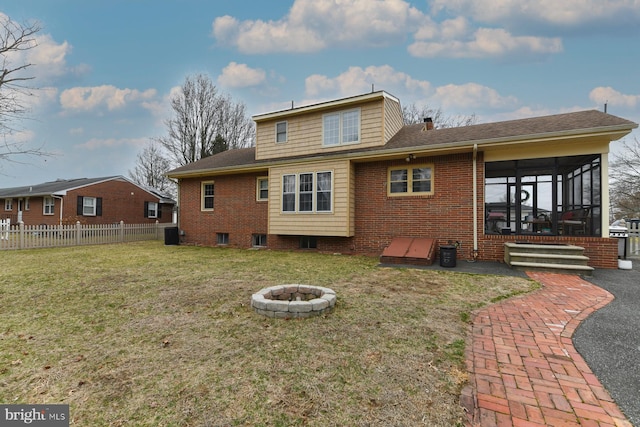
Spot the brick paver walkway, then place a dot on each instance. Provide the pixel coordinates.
(524, 368)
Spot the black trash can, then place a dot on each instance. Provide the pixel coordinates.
(171, 236)
(448, 256)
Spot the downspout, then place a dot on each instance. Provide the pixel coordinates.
(61, 206)
(475, 202)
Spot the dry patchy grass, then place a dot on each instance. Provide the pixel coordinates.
(146, 334)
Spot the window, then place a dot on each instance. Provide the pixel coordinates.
(222, 238)
(27, 205)
(308, 242)
(323, 192)
(313, 192)
(263, 189)
(281, 132)
(341, 128)
(259, 240)
(89, 206)
(8, 204)
(207, 196)
(48, 206)
(289, 193)
(306, 192)
(151, 210)
(416, 180)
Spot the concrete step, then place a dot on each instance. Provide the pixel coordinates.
(548, 249)
(582, 270)
(549, 258)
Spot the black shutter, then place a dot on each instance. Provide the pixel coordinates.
(79, 209)
(159, 208)
(146, 209)
(98, 206)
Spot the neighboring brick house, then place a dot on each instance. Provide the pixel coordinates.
(103, 200)
(347, 176)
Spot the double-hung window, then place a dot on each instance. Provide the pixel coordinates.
(311, 190)
(151, 210)
(416, 180)
(8, 204)
(262, 189)
(281, 132)
(89, 206)
(48, 206)
(342, 127)
(207, 192)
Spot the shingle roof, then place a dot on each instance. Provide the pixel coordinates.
(413, 137)
(60, 186)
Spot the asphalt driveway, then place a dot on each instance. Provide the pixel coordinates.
(609, 339)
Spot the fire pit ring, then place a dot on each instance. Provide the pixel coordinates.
(293, 301)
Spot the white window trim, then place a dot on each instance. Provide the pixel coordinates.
(286, 132)
(410, 191)
(258, 180)
(85, 206)
(149, 210)
(202, 196)
(314, 209)
(8, 204)
(341, 126)
(52, 205)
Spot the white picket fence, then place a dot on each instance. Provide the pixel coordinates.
(21, 236)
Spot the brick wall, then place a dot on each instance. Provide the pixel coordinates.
(447, 215)
(236, 211)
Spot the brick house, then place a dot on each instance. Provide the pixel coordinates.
(103, 200)
(348, 176)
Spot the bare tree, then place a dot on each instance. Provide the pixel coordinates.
(14, 89)
(624, 172)
(413, 113)
(150, 169)
(205, 122)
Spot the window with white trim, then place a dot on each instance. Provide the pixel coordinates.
(8, 204)
(151, 209)
(207, 193)
(281, 132)
(415, 180)
(89, 206)
(48, 206)
(313, 192)
(262, 186)
(341, 128)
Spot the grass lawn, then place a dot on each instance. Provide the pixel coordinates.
(145, 334)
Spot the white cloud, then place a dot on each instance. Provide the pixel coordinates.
(470, 96)
(561, 15)
(357, 80)
(91, 98)
(610, 96)
(313, 25)
(241, 75)
(455, 38)
(96, 143)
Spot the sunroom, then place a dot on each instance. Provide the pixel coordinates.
(555, 196)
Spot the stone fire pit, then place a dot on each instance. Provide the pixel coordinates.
(293, 301)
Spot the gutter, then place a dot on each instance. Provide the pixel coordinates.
(475, 202)
(61, 205)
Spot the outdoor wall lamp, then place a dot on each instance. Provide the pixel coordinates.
(410, 157)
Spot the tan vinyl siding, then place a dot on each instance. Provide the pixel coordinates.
(305, 133)
(393, 121)
(339, 222)
(555, 148)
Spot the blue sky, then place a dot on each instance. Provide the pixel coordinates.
(106, 69)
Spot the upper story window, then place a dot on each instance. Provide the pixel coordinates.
(415, 180)
(313, 192)
(340, 128)
(281, 132)
(8, 204)
(207, 192)
(48, 206)
(262, 189)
